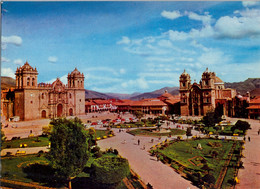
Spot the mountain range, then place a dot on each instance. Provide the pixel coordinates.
(251, 84)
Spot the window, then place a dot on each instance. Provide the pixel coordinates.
(33, 81)
(70, 95)
(80, 100)
(28, 81)
(183, 84)
(207, 82)
(31, 102)
(42, 95)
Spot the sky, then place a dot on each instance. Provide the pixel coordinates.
(127, 47)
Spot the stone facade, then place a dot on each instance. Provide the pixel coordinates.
(34, 101)
(209, 94)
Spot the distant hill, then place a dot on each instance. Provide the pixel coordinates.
(156, 93)
(248, 85)
(7, 82)
(94, 94)
(255, 92)
(123, 96)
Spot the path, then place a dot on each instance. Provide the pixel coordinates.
(31, 150)
(147, 167)
(250, 175)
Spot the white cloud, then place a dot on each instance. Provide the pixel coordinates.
(171, 15)
(14, 39)
(7, 72)
(124, 40)
(165, 43)
(204, 32)
(250, 3)
(176, 36)
(194, 43)
(247, 25)
(18, 62)
(52, 59)
(3, 59)
(213, 57)
(205, 19)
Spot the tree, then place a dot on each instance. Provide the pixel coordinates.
(3, 138)
(69, 149)
(242, 125)
(108, 172)
(138, 114)
(211, 118)
(188, 132)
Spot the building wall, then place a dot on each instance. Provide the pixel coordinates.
(33, 101)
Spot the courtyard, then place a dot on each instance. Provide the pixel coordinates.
(158, 174)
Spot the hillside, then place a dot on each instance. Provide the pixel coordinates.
(7, 82)
(93, 94)
(248, 85)
(123, 96)
(156, 93)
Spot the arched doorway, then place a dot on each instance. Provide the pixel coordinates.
(71, 112)
(196, 109)
(59, 110)
(43, 114)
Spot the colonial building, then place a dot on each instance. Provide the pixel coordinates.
(198, 98)
(254, 108)
(34, 101)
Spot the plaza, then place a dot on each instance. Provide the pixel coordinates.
(146, 166)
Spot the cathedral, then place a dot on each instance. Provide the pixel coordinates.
(208, 95)
(34, 101)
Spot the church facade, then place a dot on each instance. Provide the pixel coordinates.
(208, 95)
(35, 101)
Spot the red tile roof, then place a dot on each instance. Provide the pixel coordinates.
(255, 100)
(253, 107)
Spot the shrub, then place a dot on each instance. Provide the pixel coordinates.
(8, 154)
(95, 149)
(115, 152)
(109, 171)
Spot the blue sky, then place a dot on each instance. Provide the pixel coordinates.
(127, 47)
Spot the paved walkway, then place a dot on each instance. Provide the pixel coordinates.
(147, 167)
(31, 150)
(250, 175)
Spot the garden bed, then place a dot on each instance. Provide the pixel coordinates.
(196, 164)
(148, 132)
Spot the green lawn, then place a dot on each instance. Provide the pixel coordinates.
(12, 166)
(31, 142)
(147, 132)
(183, 151)
(227, 130)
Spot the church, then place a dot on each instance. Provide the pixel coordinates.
(208, 95)
(43, 100)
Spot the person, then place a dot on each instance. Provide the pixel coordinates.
(152, 140)
(138, 142)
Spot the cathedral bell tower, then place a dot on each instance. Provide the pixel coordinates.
(76, 79)
(185, 84)
(26, 77)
